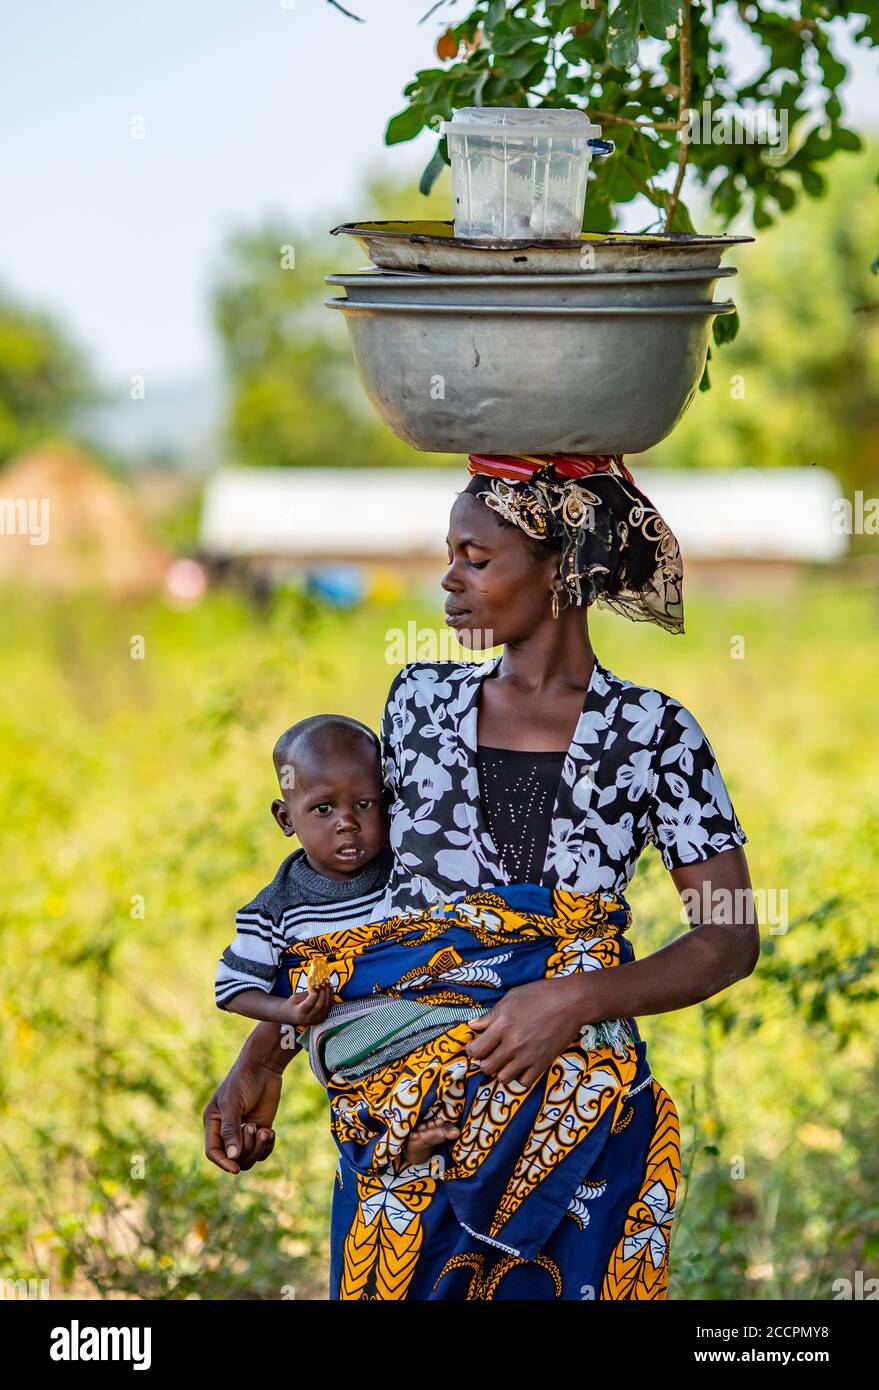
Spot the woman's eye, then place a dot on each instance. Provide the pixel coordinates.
(479, 564)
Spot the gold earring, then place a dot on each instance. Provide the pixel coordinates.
(555, 603)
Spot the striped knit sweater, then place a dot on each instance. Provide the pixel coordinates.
(299, 903)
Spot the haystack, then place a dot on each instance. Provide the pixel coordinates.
(66, 525)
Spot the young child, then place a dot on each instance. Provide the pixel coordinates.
(333, 800)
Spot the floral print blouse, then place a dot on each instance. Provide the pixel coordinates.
(639, 769)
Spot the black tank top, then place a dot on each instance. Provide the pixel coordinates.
(518, 791)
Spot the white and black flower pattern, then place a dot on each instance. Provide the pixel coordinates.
(639, 770)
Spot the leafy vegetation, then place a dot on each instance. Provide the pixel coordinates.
(294, 397)
(139, 795)
(43, 377)
(639, 67)
(800, 384)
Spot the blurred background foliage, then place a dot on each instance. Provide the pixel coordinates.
(800, 382)
(139, 821)
(44, 377)
(294, 399)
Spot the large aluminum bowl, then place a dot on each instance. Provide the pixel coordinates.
(620, 289)
(432, 247)
(489, 379)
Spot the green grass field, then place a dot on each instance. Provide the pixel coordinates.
(137, 819)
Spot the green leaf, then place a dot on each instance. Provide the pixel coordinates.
(493, 15)
(813, 182)
(658, 16)
(623, 27)
(512, 34)
(847, 139)
(726, 327)
(683, 220)
(705, 383)
(518, 64)
(426, 83)
(784, 195)
(405, 125)
(580, 49)
(570, 12)
(432, 170)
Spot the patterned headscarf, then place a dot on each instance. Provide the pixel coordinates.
(616, 549)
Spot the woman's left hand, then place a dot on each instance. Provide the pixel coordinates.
(524, 1032)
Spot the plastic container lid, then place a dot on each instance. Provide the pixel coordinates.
(520, 121)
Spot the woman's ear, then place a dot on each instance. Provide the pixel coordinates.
(283, 817)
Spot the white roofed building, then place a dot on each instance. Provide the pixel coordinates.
(730, 524)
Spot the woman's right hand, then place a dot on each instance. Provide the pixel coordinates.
(238, 1117)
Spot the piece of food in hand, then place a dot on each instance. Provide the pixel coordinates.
(318, 970)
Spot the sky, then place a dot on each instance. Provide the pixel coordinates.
(137, 134)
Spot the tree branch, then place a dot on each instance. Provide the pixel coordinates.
(611, 119)
(341, 8)
(685, 85)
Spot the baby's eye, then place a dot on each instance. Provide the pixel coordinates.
(323, 808)
(365, 802)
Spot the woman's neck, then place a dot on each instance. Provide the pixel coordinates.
(558, 654)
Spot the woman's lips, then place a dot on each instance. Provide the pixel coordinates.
(455, 617)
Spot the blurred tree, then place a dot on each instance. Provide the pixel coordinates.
(800, 384)
(43, 378)
(294, 395)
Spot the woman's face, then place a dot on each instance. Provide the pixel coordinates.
(498, 591)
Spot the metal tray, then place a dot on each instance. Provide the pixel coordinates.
(616, 289)
(433, 249)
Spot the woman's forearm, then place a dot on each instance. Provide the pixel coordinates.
(707, 960)
(270, 1045)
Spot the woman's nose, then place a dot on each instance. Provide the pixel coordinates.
(448, 580)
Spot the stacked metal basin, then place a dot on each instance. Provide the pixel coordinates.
(566, 361)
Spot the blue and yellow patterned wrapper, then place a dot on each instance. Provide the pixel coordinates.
(570, 1182)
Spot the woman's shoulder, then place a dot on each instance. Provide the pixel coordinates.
(442, 677)
(650, 710)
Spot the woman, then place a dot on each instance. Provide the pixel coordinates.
(540, 767)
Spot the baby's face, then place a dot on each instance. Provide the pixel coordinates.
(335, 804)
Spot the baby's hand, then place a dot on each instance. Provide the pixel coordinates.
(426, 1137)
(304, 1008)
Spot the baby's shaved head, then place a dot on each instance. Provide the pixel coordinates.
(305, 743)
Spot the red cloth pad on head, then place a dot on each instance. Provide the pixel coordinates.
(524, 466)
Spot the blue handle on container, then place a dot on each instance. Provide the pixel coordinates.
(601, 146)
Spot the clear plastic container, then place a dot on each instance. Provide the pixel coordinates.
(520, 174)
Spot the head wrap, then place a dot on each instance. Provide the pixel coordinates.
(616, 550)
